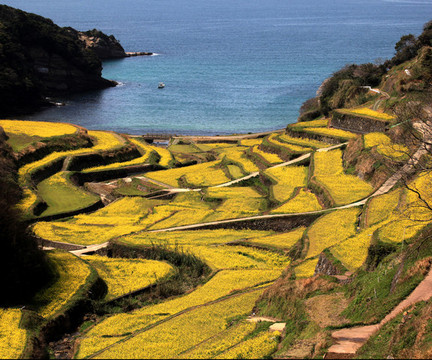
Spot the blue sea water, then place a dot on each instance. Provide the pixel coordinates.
(230, 66)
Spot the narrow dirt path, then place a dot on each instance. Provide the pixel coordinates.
(160, 183)
(262, 318)
(348, 341)
(89, 249)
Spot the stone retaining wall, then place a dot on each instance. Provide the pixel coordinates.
(303, 135)
(125, 153)
(281, 224)
(357, 124)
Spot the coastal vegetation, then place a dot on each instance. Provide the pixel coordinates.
(314, 229)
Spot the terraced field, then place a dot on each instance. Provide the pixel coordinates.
(61, 195)
(329, 174)
(13, 338)
(23, 134)
(73, 274)
(210, 318)
(124, 276)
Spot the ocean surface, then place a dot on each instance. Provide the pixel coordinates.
(229, 66)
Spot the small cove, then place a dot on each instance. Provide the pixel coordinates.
(229, 66)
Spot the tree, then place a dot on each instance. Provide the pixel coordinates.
(406, 48)
(415, 119)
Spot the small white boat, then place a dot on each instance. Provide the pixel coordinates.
(161, 85)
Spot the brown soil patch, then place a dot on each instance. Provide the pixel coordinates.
(301, 349)
(325, 309)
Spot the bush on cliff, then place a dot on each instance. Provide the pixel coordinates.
(342, 88)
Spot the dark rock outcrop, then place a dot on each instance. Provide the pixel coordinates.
(325, 266)
(104, 46)
(40, 59)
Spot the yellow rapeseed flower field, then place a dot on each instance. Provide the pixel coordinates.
(257, 347)
(165, 155)
(182, 217)
(306, 268)
(374, 139)
(331, 132)
(171, 338)
(304, 201)
(280, 240)
(353, 251)
(307, 143)
(69, 232)
(215, 146)
(232, 192)
(12, 337)
(196, 238)
(370, 113)
(239, 257)
(222, 284)
(37, 128)
(241, 206)
(291, 147)
(73, 274)
(287, 178)
(104, 141)
(344, 189)
(385, 146)
(237, 155)
(328, 163)
(269, 157)
(381, 207)
(251, 142)
(331, 229)
(121, 217)
(400, 229)
(205, 174)
(221, 342)
(312, 123)
(126, 275)
(29, 198)
(236, 202)
(412, 216)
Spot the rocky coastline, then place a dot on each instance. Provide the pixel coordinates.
(42, 61)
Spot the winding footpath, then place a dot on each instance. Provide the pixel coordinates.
(348, 341)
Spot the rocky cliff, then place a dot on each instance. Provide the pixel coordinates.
(39, 59)
(104, 46)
